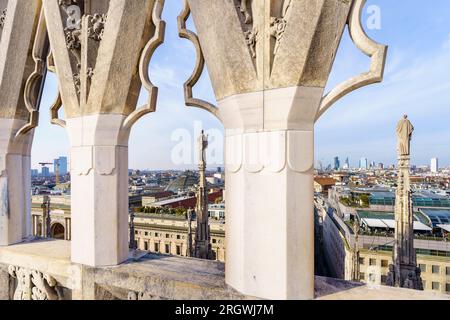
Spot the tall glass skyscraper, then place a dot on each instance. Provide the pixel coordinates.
(337, 163)
(364, 164)
(62, 165)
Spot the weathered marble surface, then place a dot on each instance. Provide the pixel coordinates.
(162, 277)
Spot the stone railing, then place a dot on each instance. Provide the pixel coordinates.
(42, 270)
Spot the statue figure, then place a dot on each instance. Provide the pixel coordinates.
(390, 281)
(404, 133)
(203, 143)
(409, 282)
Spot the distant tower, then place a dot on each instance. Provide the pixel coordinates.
(404, 272)
(337, 164)
(190, 250)
(356, 254)
(132, 244)
(202, 236)
(434, 165)
(46, 219)
(346, 164)
(364, 164)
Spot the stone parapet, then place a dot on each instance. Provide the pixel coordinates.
(148, 277)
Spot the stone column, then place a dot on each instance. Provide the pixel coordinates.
(21, 73)
(269, 63)
(68, 230)
(97, 48)
(99, 195)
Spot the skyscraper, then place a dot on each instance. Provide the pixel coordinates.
(347, 164)
(337, 164)
(434, 165)
(363, 164)
(45, 172)
(62, 165)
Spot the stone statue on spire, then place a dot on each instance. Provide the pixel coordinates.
(404, 271)
(404, 134)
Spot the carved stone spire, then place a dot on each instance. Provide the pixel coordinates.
(133, 245)
(202, 235)
(46, 218)
(404, 272)
(356, 254)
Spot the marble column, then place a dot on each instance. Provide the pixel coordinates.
(98, 47)
(269, 63)
(21, 77)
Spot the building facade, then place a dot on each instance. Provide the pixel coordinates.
(375, 255)
(434, 165)
(170, 235)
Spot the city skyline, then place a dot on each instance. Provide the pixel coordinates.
(416, 83)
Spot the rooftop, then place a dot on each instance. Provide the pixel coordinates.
(151, 276)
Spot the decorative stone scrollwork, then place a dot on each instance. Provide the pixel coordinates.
(73, 31)
(96, 26)
(184, 33)
(73, 39)
(2, 18)
(277, 28)
(249, 29)
(376, 51)
(251, 37)
(77, 81)
(33, 85)
(67, 2)
(278, 25)
(243, 7)
(33, 285)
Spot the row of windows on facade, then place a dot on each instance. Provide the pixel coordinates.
(423, 267)
(168, 236)
(425, 252)
(434, 285)
(157, 247)
(167, 247)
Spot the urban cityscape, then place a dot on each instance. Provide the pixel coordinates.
(202, 151)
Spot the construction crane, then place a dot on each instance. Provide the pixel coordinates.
(56, 167)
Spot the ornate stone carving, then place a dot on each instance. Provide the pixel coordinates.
(140, 296)
(67, 2)
(33, 285)
(199, 64)
(96, 26)
(244, 8)
(376, 51)
(278, 26)
(249, 29)
(251, 37)
(73, 31)
(2, 18)
(77, 81)
(34, 84)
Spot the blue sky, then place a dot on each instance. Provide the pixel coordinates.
(417, 82)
